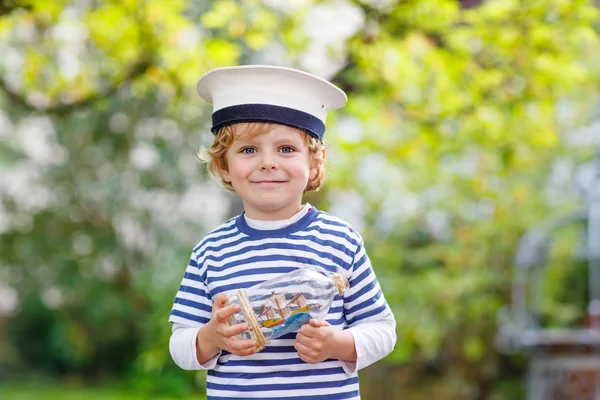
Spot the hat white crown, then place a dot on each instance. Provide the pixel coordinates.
(232, 88)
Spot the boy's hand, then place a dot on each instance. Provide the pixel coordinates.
(316, 341)
(218, 335)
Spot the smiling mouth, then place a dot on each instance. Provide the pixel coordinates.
(268, 182)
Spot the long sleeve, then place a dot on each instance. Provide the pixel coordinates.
(191, 310)
(370, 319)
(182, 346)
(373, 341)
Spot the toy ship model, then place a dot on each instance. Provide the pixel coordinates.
(284, 317)
(283, 304)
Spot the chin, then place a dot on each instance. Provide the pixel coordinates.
(271, 206)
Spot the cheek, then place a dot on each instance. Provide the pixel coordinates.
(239, 169)
(301, 170)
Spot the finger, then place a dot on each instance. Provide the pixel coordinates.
(309, 330)
(235, 330)
(302, 349)
(317, 323)
(306, 359)
(305, 353)
(244, 353)
(305, 340)
(227, 312)
(220, 300)
(242, 345)
(315, 345)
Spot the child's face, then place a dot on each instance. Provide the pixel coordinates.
(270, 171)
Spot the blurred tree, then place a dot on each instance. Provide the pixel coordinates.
(462, 115)
(456, 113)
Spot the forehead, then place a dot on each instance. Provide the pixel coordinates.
(267, 131)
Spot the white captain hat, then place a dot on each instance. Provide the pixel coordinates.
(266, 93)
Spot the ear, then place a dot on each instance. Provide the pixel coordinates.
(317, 161)
(225, 175)
(223, 170)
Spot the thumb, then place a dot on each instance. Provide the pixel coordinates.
(317, 323)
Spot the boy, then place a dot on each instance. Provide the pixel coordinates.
(269, 124)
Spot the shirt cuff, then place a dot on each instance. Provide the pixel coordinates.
(349, 367)
(372, 341)
(183, 349)
(210, 364)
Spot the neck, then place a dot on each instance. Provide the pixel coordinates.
(272, 215)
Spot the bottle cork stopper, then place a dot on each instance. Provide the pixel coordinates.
(253, 325)
(341, 282)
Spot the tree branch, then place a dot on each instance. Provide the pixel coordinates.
(137, 70)
(466, 4)
(146, 60)
(8, 6)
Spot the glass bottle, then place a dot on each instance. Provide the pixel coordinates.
(283, 304)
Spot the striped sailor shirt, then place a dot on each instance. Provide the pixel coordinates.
(236, 255)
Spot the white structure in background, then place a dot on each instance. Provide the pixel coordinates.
(327, 26)
(8, 300)
(565, 361)
(348, 205)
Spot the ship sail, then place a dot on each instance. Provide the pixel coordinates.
(279, 304)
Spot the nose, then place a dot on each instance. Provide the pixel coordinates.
(268, 161)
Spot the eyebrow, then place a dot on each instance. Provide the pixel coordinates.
(293, 139)
(279, 141)
(243, 142)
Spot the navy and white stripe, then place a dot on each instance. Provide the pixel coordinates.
(235, 256)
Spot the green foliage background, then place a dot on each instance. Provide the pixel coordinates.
(456, 118)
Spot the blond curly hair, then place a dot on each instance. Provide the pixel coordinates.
(215, 155)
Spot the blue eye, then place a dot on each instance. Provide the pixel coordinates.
(248, 150)
(287, 149)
